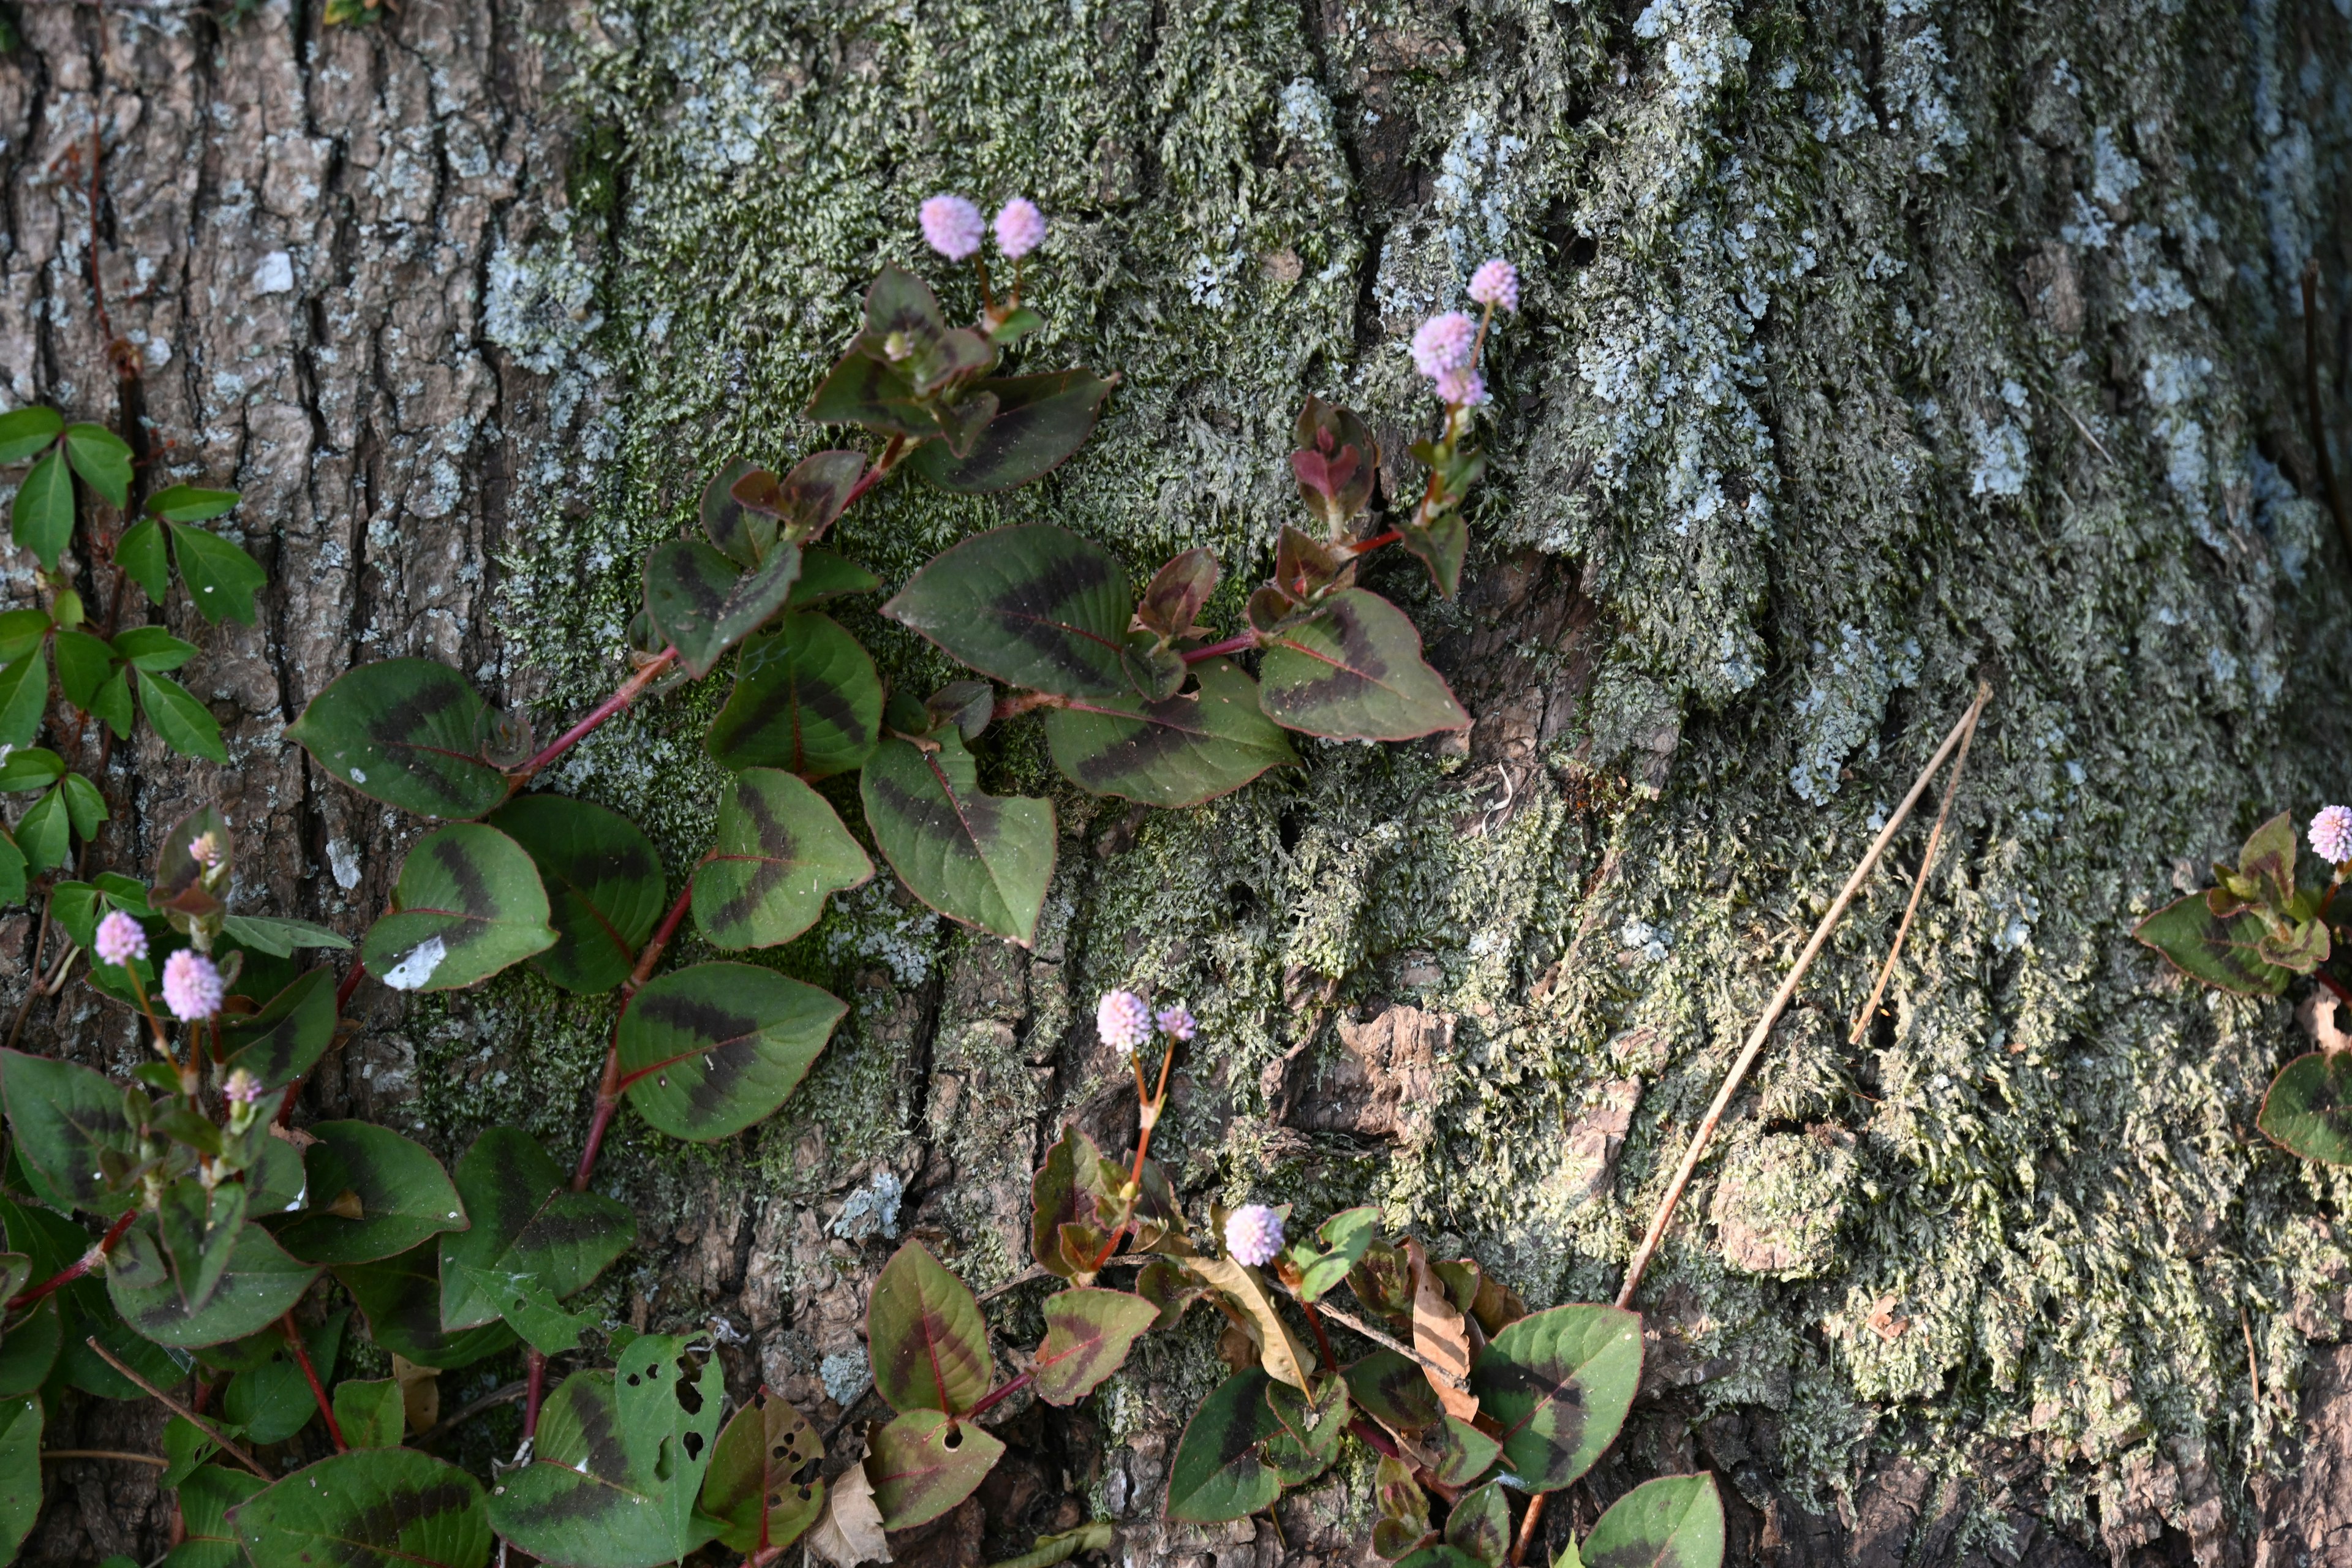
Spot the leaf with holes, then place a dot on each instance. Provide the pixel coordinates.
(67, 1126)
(103, 460)
(1041, 421)
(400, 1194)
(778, 853)
(1559, 1382)
(804, 502)
(385, 1507)
(2308, 1109)
(603, 881)
(469, 903)
(1088, 1332)
(828, 575)
(408, 732)
(2222, 952)
(807, 700)
(762, 1486)
(1176, 752)
(179, 720)
(221, 577)
(925, 1463)
(258, 1282)
(286, 1038)
(42, 517)
(526, 1219)
(708, 1050)
(618, 1462)
(926, 1336)
(1674, 1521)
(1221, 1471)
(979, 858)
(703, 604)
(401, 1298)
(1354, 671)
(1033, 605)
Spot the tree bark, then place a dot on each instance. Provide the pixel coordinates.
(1867, 351)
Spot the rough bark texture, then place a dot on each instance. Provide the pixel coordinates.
(1868, 350)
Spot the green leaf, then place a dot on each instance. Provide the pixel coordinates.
(140, 553)
(740, 535)
(2224, 954)
(527, 1307)
(925, 1463)
(1040, 421)
(1458, 1452)
(864, 390)
(153, 648)
(30, 768)
(1221, 1471)
(1016, 324)
(206, 1497)
(404, 1196)
(286, 1038)
(84, 807)
(102, 459)
(408, 732)
(22, 631)
(1312, 1432)
(30, 1350)
(2267, 859)
(21, 1420)
(1347, 1236)
(271, 1400)
(25, 431)
(196, 1228)
(1031, 606)
(42, 518)
(179, 720)
(603, 881)
(1559, 1382)
(617, 1465)
(1075, 1186)
(1441, 547)
(111, 703)
(1480, 1525)
(83, 662)
(1392, 1390)
(260, 1282)
(707, 1050)
(66, 1121)
(762, 1486)
(926, 1337)
(1441, 1556)
(221, 577)
(279, 936)
(2308, 1111)
(371, 1414)
(43, 833)
(1674, 1521)
(979, 858)
(187, 503)
(1353, 671)
(24, 696)
(401, 1298)
(807, 700)
(1172, 601)
(828, 575)
(469, 904)
(1176, 752)
(779, 852)
(703, 604)
(526, 1220)
(385, 1507)
(805, 502)
(1088, 1332)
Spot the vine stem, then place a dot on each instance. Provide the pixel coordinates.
(1780, 998)
(996, 1397)
(1241, 644)
(310, 1375)
(609, 1086)
(1148, 1115)
(631, 690)
(181, 1411)
(78, 1268)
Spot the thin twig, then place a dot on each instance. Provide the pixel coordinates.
(1780, 998)
(160, 1463)
(1918, 887)
(2254, 1370)
(2313, 408)
(1528, 1529)
(2096, 444)
(505, 1394)
(181, 1411)
(1349, 1320)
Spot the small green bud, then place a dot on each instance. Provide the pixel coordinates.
(67, 610)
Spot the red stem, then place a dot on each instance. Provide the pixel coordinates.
(1369, 545)
(79, 1267)
(350, 983)
(310, 1375)
(1142, 1147)
(536, 1374)
(891, 452)
(1322, 1340)
(609, 1086)
(1372, 1437)
(996, 1397)
(631, 690)
(1241, 644)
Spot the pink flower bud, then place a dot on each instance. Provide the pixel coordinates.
(1496, 283)
(192, 986)
(951, 226)
(1177, 1023)
(121, 940)
(204, 849)
(1020, 228)
(1444, 343)
(2331, 834)
(242, 1088)
(1253, 1235)
(1123, 1019)
(1462, 385)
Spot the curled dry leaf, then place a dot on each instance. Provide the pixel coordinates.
(1441, 1336)
(850, 1532)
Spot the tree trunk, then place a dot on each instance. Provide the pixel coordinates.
(1867, 352)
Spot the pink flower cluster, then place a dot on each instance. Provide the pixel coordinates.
(2331, 834)
(952, 226)
(120, 939)
(192, 986)
(1123, 1019)
(1445, 347)
(1253, 1235)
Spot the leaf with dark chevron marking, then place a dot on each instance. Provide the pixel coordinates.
(1221, 1471)
(1559, 1382)
(401, 1298)
(754, 1488)
(2223, 953)
(1674, 1521)
(286, 1038)
(704, 604)
(1353, 671)
(603, 881)
(1088, 1331)
(779, 852)
(828, 575)
(469, 903)
(526, 1219)
(67, 1120)
(804, 502)
(979, 858)
(2307, 1111)
(1040, 420)
(807, 700)
(379, 1508)
(408, 732)
(260, 1282)
(926, 1337)
(1179, 750)
(925, 1463)
(1033, 605)
(403, 1194)
(708, 1050)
